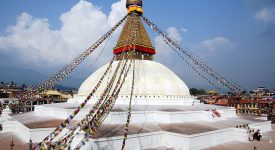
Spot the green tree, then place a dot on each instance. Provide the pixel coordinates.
(195, 92)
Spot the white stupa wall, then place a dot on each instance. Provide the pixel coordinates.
(183, 100)
(141, 116)
(175, 140)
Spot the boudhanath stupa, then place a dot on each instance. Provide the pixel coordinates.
(164, 114)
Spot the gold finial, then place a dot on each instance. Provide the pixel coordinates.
(134, 6)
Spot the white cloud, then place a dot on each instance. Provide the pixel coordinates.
(217, 43)
(265, 15)
(170, 58)
(205, 48)
(183, 29)
(35, 42)
(164, 52)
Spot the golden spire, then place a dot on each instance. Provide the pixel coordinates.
(134, 6)
(143, 46)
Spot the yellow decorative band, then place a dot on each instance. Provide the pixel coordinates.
(136, 44)
(135, 8)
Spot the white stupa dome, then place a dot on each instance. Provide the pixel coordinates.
(152, 79)
(155, 84)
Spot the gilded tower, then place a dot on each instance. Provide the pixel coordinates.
(143, 46)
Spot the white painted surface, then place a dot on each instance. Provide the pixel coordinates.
(142, 100)
(152, 79)
(173, 140)
(142, 116)
(151, 139)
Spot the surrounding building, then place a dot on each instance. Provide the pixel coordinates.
(54, 96)
(257, 102)
(9, 93)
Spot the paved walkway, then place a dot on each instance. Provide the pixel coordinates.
(267, 143)
(264, 144)
(5, 141)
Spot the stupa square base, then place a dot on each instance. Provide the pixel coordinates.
(175, 127)
(182, 138)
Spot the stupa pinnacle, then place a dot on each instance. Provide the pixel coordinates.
(134, 5)
(143, 45)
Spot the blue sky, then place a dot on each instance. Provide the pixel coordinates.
(234, 36)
